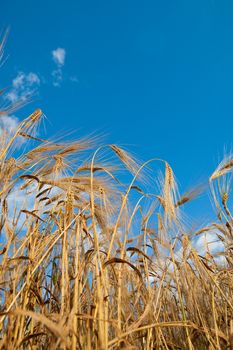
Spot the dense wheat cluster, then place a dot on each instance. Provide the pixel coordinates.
(95, 254)
(88, 262)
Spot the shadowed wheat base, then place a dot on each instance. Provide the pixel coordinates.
(88, 262)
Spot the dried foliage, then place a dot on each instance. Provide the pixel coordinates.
(89, 262)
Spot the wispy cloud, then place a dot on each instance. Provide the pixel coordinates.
(58, 56)
(8, 124)
(26, 84)
(23, 86)
(74, 79)
(8, 127)
(57, 77)
(209, 242)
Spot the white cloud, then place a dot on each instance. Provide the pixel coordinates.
(12, 96)
(18, 81)
(59, 56)
(33, 78)
(209, 242)
(19, 199)
(8, 125)
(57, 77)
(23, 86)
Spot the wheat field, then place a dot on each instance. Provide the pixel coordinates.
(95, 251)
(89, 260)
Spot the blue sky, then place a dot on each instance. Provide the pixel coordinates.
(155, 76)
